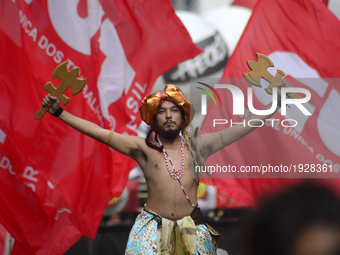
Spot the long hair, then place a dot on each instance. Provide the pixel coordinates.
(190, 138)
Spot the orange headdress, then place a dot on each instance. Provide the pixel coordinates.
(171, 93)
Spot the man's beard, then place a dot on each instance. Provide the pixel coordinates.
(170, 134)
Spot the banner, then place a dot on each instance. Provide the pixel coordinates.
(252, 3)
(300, 38)
(55, 182)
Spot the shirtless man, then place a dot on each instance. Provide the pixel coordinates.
(171, 222)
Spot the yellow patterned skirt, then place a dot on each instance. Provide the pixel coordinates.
(152, 234)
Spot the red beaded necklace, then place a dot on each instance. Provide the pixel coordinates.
(175, 174)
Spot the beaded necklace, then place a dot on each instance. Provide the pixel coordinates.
(175, 174)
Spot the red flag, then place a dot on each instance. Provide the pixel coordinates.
(56, 183)
(245, 3)
(301, 38)
(252, 3)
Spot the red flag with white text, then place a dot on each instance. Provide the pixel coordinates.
(300, 37)
(56, 182)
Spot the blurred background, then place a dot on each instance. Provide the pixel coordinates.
(56, 182)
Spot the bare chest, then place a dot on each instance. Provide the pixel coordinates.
(168, 164)
(165, 194)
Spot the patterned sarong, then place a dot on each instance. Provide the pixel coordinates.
(152, 234)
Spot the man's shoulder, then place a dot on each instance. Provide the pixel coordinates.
(146, 147)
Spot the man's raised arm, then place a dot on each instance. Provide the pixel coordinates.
(122, 143)
(213, 142)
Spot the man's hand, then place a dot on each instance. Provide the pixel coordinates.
(48, 100)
